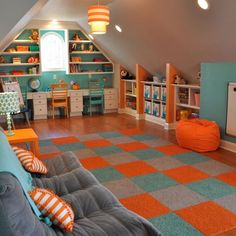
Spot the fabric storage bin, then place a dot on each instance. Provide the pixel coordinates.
(156, 109)
(147, 91)
(22, 48)
(148, 107)
(156, 92)
(34, 48)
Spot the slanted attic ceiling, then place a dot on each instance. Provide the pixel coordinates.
(159, 31)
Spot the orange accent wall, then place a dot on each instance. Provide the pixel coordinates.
(171, 71)
(141, 75)
(122, 92)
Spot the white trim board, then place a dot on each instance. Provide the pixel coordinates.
(228, 145)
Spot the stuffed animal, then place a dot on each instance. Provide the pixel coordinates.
(76, 37)
(124, 74)
(34, 36)
(2, 60)
(179, 80)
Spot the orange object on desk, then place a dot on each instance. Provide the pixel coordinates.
(25, 136)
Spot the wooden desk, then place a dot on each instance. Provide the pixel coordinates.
(26, 136)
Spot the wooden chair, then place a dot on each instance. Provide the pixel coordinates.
(60, 97)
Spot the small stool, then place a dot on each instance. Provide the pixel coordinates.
(198, 135)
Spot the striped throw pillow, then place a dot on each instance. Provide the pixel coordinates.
(29, 161)
(53, 207)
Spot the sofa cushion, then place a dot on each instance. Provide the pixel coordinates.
(97, 211)
(16, 216)
(30, 162)
(52, 206)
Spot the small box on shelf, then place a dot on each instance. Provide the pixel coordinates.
(147, 91)
(156, 109)
(148, 107)
(156, 92)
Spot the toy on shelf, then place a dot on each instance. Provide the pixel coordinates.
(179, 80)
(2, 60)
(33, 60)
(124, 74)
(34, 36)
(76, 37)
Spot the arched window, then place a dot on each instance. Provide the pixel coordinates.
(53, 52)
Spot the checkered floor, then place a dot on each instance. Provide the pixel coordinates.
(179, 191)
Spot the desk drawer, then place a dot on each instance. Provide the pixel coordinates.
(39, 95)
(76, 93)
(40, 101)
(76, 107)
(111, 104)
(110, 91)
(110, 97)
(40, 110)
(76, 99)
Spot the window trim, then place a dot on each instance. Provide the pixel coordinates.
(64, 52)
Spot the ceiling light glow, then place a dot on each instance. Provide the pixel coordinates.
(118, 28)
(204, 4)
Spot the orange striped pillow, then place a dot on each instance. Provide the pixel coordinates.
(53, 207)
(29, 161)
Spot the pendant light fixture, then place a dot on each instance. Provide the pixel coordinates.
(98, 18)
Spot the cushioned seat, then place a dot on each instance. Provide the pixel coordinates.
(198, 135)
(97, 210)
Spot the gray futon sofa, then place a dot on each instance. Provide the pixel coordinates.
(97, 210)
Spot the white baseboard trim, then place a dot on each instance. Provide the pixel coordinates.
(169, 126)
(140, 116)
(228, 145)
(121, 110)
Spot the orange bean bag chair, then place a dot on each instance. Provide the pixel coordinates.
(198, 135)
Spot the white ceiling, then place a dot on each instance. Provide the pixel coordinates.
(67, 10)
(156, 32)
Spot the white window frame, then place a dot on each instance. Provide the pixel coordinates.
(61, 67)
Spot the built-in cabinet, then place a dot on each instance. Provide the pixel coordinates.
(21, 58)
(154, 101)
(85, 57)
(187, 101)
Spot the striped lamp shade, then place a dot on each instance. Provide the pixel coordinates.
(98, 18)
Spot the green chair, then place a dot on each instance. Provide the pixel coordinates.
(96, 95)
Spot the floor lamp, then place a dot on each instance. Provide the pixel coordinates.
(9, 104)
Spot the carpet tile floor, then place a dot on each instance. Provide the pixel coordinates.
(176, 189)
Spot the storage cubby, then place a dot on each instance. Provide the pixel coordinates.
(187, 101)
(154, 101)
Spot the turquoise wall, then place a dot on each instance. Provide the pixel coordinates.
(214, 88)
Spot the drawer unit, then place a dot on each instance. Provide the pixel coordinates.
(40, 102)
(40, 105)
(111, 104)
(76, 107)
(110, 100)
(76, 103)
(76, 93)
(110, 91)
(76, 99)
(39, 96)
(40, 110)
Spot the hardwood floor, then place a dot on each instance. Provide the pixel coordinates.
(60, 127)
